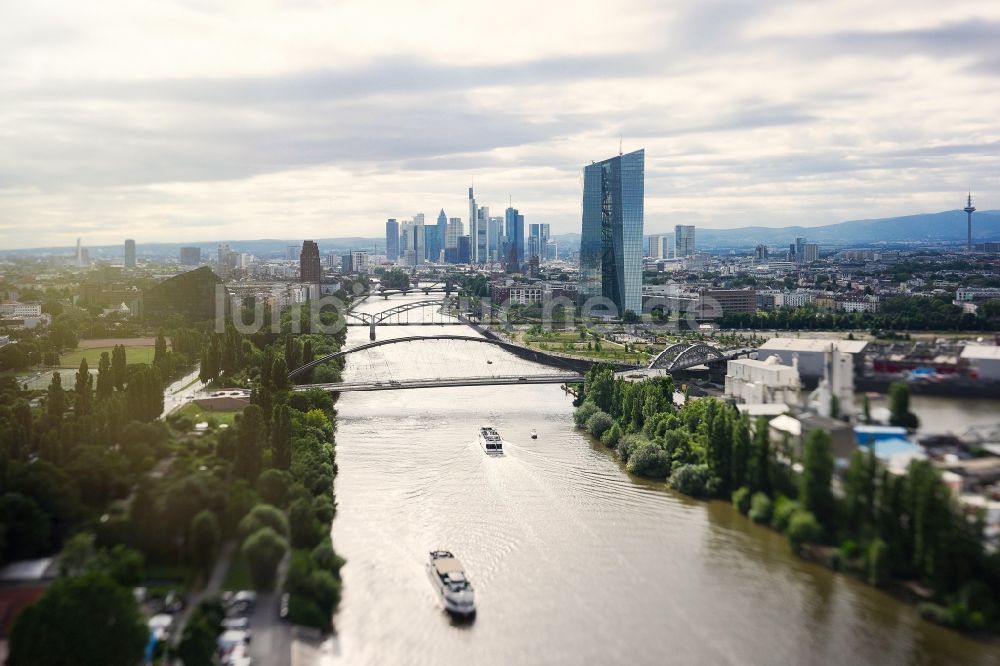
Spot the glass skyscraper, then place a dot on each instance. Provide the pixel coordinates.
(611, 242)
(391, 240)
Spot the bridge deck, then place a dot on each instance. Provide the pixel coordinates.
(391, 385)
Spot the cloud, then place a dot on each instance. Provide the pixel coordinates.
(149, 119)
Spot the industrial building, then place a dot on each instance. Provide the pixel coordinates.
(983, 360)
(762, 382)
(811, 354)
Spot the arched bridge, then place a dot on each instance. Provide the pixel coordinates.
(445, 360)
(684, 355)
(432, 314)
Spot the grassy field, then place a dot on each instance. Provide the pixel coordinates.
(197, 414)
(93, 355)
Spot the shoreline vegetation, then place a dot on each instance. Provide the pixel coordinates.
(92, 475)
(902, 533)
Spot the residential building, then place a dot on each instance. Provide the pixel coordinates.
(611, 240)
(810, 253)
(310, 271)
(359, 260)
(13, 309)
(392, 239)
(129, 253)
(684, 245)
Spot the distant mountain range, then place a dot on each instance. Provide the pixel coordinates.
(947, 227)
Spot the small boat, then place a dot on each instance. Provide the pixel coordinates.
(489, 362)
(490, 440)
(448, 577)
(534, 435)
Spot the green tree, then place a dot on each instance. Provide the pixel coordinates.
(249, 456)
(877, 562)
(759, 464)
(105, 378)
(160, 349)
(55, 405)
(27, 528)
(96, 622)
(205, 537)
(279, 374)
(817, 474)
(899, 406)
(198, 643)
(803, 528)
(264, 515)
(281, 437)
(263, 551)
(119, 367)
(741, 452)
(82, 391)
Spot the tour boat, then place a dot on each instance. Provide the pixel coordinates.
(449, 579)
(490, 440)
(534, 435)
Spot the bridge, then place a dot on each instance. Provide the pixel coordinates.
(400, 316)
(685, 355)
(484, 380)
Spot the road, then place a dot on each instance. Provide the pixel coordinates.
(173, 396)
(272, 637)
(211, 589)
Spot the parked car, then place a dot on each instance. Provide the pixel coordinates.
(283, 606)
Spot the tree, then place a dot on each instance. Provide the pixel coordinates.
(105, 378)
(719, 452)
(273, 487)
(55, 406)
(899, 406)
(859, 490)
(741, 452)
(160, 349)
(119, 367)
(95, 620)
(248, 453)
(599, 423)
(866, 409)
(264, 515)
(279, 374)
(198, 643)
(82, 390)
(817, 474)
(27, 529)
(877, 562)
(803, 528)
(281, 437)
(759, 465)
(263, 551)
(205, 538)
(305, 529)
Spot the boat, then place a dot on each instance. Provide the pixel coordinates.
(490, 440)
(534, 435)
(449, 579)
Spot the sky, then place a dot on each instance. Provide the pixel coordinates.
(198, 120)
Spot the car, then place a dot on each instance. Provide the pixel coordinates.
(161, 625)
(522, 379)
(283, 606)
(241, 623)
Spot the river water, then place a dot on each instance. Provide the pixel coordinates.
(573, 560)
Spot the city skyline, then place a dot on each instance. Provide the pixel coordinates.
(784, 114)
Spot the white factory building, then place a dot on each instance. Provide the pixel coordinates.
(811, 354)
(983, 360)
(755, 382)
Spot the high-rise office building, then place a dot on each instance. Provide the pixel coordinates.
(538, 237)
(441, 240)
(482, 238)
(464, 250)
(611, 241)
(760, 253)
(190, 256)
(799, 249)
(455, 229)
(495, 240)
(473, 225)
(810, 253)
(659, 246)
(683, 240)
(129, 253)
(309, 267)
(391, 240)
(292, 252)
(514, 224)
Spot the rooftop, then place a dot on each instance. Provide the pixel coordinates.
(814, 345)
(981, 352)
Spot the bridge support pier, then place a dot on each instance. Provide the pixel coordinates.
(371, 330)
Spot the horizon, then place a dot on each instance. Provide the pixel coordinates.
(221, 123)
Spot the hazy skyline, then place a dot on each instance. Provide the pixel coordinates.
(198, 121)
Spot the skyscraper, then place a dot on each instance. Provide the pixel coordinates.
(440, 240)
(391, 240)
(969, 210)
(455, 229)
(309, 266)
(473, 226)
(482, 238)
(495, 240)
(190, 256)
(611, 241)
(800, 246)
(683, 240)
(514, 223)
(129, 253)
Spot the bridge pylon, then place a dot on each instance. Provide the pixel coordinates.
(371, 330)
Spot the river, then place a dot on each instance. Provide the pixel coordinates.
(573, 560)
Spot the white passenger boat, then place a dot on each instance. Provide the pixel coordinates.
(449, 580)
(490, 440)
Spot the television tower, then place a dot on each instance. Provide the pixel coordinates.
(969, 210)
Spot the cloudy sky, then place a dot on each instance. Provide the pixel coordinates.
(202, 119)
